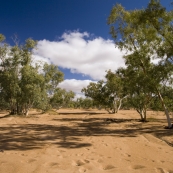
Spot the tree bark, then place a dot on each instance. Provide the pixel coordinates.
(165, 110)
(120, 103)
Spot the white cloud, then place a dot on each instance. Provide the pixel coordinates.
(77, 52)
(40, 60)
(75, 86)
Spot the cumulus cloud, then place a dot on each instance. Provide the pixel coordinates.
(81, 54)
(39, 60)
(75, 86)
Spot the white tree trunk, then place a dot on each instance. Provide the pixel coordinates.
(166, 111)
(120, 103)
(115, 106)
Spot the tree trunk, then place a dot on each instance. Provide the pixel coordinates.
(166, 110)
(13, 108)
(143, 114)
(114, 106)
(26, 112)
(120, 103)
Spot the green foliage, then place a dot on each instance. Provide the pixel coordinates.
(84, 103)
(2, 38)
(52, 76)
(87, 103)
(62, 98)
(145, 35)
(166, 92)
(23, 83)
(108, 94)
(138, 89)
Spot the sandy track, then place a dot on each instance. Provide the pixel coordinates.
(85, 142)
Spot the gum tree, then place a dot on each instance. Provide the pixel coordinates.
(61, 98)
(108, 93)
(23, 82)
(145, 35)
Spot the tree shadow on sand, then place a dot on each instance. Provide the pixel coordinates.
(35, 136)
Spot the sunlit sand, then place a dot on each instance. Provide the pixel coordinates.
(76, 141)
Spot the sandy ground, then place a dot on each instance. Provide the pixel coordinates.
(76, 141)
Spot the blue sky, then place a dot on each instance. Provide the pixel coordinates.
(72, 34)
